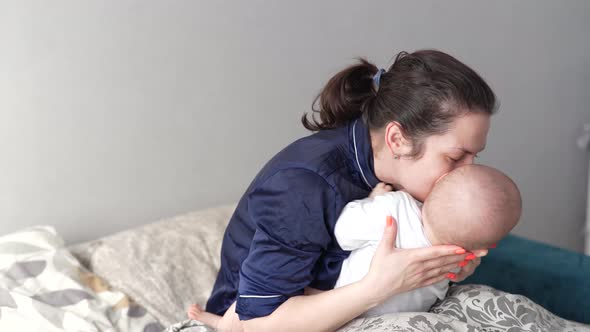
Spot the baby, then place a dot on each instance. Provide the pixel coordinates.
(473, 207)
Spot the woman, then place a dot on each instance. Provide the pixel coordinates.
(406, 126)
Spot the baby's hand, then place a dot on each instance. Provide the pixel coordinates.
(380, 189)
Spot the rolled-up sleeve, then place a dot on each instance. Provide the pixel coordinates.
(289, 210)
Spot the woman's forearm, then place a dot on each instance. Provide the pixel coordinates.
(326, 311)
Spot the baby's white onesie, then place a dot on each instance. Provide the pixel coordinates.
(360, 229)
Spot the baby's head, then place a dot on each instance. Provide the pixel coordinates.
(473, 206)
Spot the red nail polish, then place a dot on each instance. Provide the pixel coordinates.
(463, 263)
(451, 275)
(389, 220)
(460, 251)
(470, 257)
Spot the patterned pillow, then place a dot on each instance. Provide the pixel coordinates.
(409, 322)
(42, 285)
(469, 308)
(494, 310)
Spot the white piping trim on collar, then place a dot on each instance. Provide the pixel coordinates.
(356, 154)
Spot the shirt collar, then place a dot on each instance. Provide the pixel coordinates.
(360, 140)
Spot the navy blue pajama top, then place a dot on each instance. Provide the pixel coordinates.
(280, 238)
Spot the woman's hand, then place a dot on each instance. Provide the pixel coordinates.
(470, 266)
(395, 271)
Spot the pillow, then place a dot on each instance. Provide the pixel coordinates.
(164, 266)
(408, 322)
(43, 287)
(494, 310)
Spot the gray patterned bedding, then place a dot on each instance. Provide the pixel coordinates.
(467, 308)
(143, 279)
(44, 288)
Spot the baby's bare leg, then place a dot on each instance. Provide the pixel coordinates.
(229, 322)
(197, 312)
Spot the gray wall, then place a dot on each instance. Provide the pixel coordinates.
(115, 114)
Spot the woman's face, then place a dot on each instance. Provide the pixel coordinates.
(458, 146)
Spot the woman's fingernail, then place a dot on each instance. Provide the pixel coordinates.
(389, 221)
(493, 246)
(451, 275)
(470, 257)
(463, 263)
(460, 251)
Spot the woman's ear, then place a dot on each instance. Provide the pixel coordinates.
(395, 140)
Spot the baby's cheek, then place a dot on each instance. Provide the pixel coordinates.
(419, 191)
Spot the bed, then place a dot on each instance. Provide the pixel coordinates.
(142, 279)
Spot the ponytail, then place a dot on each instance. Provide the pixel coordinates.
(423, 92)
(344, 97)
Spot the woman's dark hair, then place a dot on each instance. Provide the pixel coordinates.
(423, 91)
